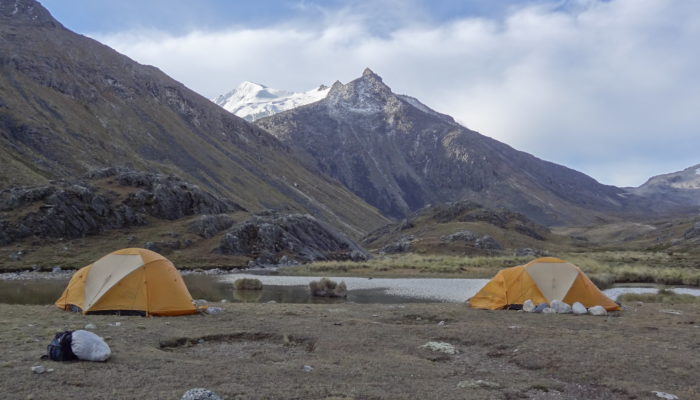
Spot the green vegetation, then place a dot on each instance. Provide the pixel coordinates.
(248, 284)
(604, 268)
(664, 296)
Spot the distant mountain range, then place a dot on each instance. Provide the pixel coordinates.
(70, 105)
(400, 155)
(252, 101)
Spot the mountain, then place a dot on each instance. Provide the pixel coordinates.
(682, 187)
(70, 105)
(253, 101)
(400, 155)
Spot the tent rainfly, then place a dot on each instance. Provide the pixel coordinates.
(541, 280)
(128, 281)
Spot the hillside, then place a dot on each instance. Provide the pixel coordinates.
(69, 105)
(399, 155)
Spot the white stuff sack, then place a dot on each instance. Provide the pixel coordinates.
(89, 347)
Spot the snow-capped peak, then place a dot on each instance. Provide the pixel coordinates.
(253, 100)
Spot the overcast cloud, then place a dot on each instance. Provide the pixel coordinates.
(608, 88)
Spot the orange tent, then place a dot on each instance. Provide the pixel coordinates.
(130, 281)
(541, 280)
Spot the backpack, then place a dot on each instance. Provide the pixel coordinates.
(60, 347)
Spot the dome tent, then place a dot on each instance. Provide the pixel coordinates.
(541, 280)
(128, 281)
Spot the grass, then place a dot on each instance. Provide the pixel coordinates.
(248, 284)
(663, 296)
(604, 268)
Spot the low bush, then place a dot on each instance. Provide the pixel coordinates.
(328, 288)
(248, 284)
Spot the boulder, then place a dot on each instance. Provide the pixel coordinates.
(402, 245)
(528, 306)
(597, 310)
(579, 308)
(207, 226)
(487, 243)
(440, 347)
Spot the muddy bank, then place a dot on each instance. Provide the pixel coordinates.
(259, 351)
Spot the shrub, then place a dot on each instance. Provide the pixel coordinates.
(328, 288)
(248, 284)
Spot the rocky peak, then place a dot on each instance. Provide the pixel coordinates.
(367, 94)
(26, 12)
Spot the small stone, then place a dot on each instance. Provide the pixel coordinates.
(549, 310)
(38, 369)
(514, 327)
(271, 302)
(579, 309)
(672, 312)
(308, 368)
(441, 323)
(597, 310)
(90, 326)
(664, 395)
(200, 394)
(477, 383)
(440, 347)
(528, 306)
(214, 310)
(224, 301)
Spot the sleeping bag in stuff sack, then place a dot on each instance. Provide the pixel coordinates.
(89, 347)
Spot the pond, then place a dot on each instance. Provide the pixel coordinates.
(294, 289)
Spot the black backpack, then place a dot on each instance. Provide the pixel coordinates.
(60, 347)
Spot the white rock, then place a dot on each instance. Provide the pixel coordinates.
(440, 347)
(88, 346)
(560, 307)
(664, 395)
(90, 326)
(549, 310)
(441, 323)
(308, 368)
(38, 369)
(579, 308)
(200, 394)
(214, 310)
(528, 306)
(597, 310)
(477, 383)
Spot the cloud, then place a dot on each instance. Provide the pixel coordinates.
(608, 88)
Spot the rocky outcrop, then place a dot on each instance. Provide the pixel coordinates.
(269, 237)
(484, 242)
(82, 208)
(208, 226)
(402, 245)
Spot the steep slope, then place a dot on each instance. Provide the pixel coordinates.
(400, 155)
(252, 101)
(69, 104)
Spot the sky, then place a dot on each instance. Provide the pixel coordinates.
(610, 88)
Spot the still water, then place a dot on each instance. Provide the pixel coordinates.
(294, 289)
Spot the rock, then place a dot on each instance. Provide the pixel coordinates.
(208, 226)
(440, 347)
(56, 269)
(528, 306)
(672, 312)
(90, 326)
(478, 383)
(664, 395)
(269, 236)
(597, 310)
(214, 310)
(540, 307)
(38, 369)
(560, 307)
(200, 394)
(152, 246)
(528, 252)
(466, 236)
(579, 309)
(487, 243)
(441, 323)
(402, 245)
(307, 368)
(549, 310)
